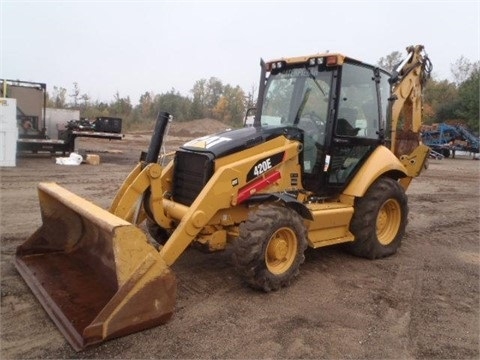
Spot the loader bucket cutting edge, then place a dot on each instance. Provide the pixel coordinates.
(95, 274)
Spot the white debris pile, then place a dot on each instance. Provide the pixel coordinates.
(73, 159)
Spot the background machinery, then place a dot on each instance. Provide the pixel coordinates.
(325, 162)
(33, 121)
(445, 138)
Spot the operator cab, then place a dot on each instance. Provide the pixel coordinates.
(339, 104)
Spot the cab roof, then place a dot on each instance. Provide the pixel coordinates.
(329, 58)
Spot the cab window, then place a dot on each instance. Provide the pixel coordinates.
(358, 114)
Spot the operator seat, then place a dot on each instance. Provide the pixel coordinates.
(345, 122)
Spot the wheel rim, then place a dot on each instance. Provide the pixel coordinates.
(388, 221)
(281, 251)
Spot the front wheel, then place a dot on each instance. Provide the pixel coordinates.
(159, 234)
(379, 220)
(270, 247)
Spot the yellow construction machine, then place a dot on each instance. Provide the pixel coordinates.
(332, 150)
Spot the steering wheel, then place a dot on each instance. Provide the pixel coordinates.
(313, 125)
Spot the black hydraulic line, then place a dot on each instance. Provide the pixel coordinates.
(261, 92)
(157, 137)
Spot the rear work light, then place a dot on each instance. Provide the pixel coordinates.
(275, 65)
(332, 60)
(315, 61)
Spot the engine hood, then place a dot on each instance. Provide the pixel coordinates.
(229, 142)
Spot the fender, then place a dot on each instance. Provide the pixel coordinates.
(382, 161)
(287, 200)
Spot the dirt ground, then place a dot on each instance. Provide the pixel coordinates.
(421, 303)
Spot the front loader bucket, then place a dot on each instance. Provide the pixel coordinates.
(95, 274)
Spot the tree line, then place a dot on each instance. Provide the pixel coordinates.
(209, 99)
(454, 101)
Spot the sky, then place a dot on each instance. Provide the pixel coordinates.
(131, 47)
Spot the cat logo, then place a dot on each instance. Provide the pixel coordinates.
(207, 142)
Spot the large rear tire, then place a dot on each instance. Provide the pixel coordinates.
(270, 247)
(379, 220)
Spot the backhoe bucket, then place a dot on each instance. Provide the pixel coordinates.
(95, 274)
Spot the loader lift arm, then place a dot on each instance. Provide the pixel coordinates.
(191, 219)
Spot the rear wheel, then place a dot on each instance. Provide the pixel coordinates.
(270, 248)
(379, 220)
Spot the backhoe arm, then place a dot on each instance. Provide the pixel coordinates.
(407, 81)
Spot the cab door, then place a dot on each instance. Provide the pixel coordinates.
(357, 124)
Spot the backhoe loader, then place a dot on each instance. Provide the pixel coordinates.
(332, 150)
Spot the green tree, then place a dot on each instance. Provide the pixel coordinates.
(206, 95)
(213, 92)
(121, 107)
(102, 108)
(468, 100)
(462, 68)
(198, 108)
(85, 102)
(75, 94)
(58, 98)
(146, 105)
(236, 104)
(174, 103)
(251, 97)
(390, 61)
(442, 97)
